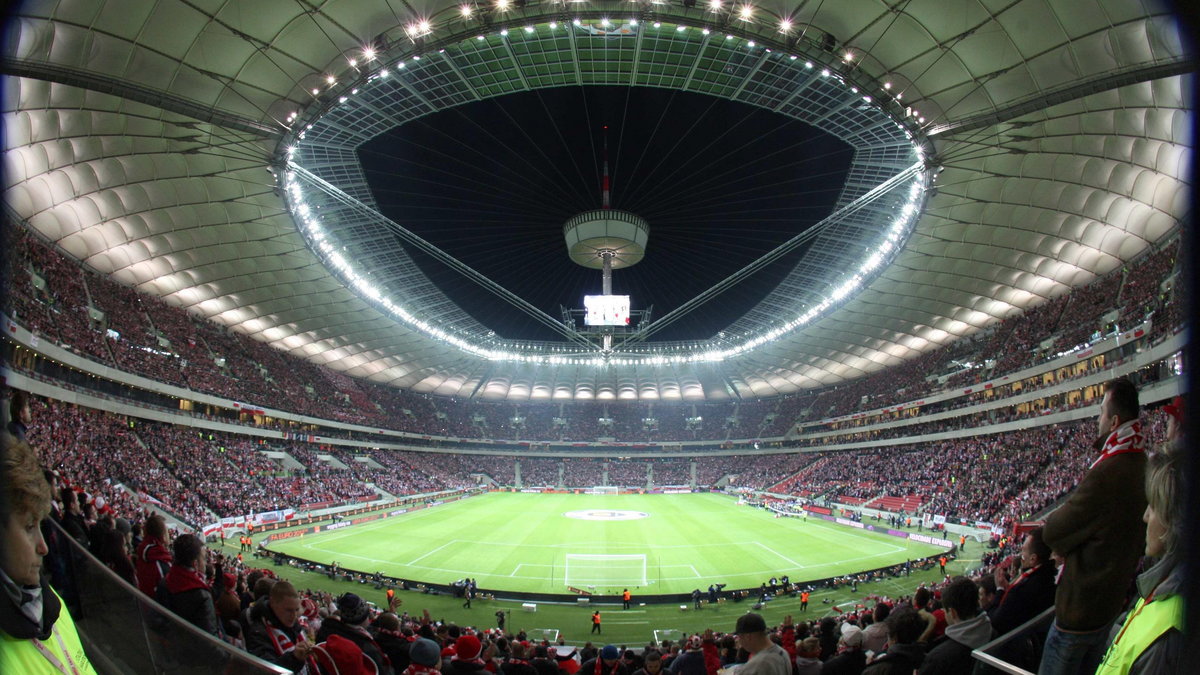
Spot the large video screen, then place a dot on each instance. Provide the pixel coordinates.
(606, 310)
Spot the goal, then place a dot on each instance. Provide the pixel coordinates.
(612, 570)
(604, 490)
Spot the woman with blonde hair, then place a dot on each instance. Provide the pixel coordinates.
(1151, 639)
(37, 634)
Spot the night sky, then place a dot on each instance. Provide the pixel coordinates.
(492, 182)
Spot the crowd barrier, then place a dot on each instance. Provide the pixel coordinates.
(123, 631)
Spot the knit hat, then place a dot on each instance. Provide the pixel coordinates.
(123, 526)
(467, 647)
(346, 657)
(750, 623)
(425, 652)
(610, 652)
(352, 608)
(852, 635)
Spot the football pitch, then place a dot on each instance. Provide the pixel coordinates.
(651, 544)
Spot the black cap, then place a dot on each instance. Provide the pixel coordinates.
(750, 623)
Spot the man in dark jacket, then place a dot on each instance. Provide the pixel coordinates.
(608, 662)
(1022, 595)
(1098, 532)
(904, 655)
(350, 622)
(274, 634)
(966, 630)
(184, 590)
(1029, 593)
(392, 641)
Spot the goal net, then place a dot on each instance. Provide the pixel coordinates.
(661, 635)
(593, 569)
(603, 490)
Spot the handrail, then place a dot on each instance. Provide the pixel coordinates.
(103, 657)
(980, 654)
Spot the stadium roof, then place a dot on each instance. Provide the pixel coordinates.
(1039, 144)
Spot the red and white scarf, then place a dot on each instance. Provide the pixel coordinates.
(1020, 580)
(418, 669)
(283, 644)
(1125, 438)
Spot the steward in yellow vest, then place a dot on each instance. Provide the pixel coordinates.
(1151, 640)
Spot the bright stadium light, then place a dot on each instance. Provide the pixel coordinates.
(893, 228)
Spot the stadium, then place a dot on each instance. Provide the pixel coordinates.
(489, 314)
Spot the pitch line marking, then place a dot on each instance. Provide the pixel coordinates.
(414, 560)
(533, 578)
(373, 525)
(780, 555)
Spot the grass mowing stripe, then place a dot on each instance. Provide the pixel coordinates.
(520, 542)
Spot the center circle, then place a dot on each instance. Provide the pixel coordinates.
(606, 514)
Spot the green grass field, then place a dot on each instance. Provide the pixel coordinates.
(670, 544)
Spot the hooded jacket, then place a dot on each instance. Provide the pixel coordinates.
(951, 654)
(898, 660)
(152, 561)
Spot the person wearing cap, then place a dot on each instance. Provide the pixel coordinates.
(699, 656)
(467, 658)
(425, 657)
(607, 662)
(850, 658)
(350, 622)
(766, 657)
(967, 629)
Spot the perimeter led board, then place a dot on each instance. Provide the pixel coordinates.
(606, 310)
